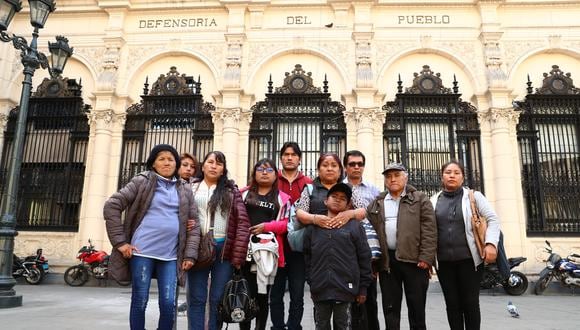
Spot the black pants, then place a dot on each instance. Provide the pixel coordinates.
(415, 281)
(460, 284)
(365, 316)
(262, 300)
(338, 311)
(294, 272)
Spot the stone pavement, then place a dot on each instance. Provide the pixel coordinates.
(58, 306)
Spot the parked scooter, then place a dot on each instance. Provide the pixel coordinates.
(515, 284)
(562, 269)
(92, 261)
(30, 267)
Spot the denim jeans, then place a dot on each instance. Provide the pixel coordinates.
(142, 269)
(197, 293)
(295, 266)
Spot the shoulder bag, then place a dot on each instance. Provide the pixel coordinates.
(478, 224)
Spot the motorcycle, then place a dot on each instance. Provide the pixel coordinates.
(30, 267)
(92, 262)
(40, 260)
(515, 284)
(562, 269)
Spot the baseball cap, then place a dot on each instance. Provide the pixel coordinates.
(395, 167)
(341, 187)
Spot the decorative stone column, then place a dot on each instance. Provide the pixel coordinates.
(233, 122)
(97, 172)
(505, 159)
(368, 124)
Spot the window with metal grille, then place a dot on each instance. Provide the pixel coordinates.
(549, 143)
(428, 125)
(300, 112)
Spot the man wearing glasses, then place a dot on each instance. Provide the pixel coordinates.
(363, 193)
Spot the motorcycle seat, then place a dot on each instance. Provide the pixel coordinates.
(517, 260)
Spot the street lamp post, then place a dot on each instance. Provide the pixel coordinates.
(32, 59)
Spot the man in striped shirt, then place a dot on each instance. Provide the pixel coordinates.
(363, 193)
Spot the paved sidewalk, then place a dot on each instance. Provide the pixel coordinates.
(58, 306)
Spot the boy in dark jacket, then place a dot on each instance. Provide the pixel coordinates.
(338, 264)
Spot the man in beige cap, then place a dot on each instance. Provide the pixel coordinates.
(405, 224)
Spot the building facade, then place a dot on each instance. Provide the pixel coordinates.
(489, 82)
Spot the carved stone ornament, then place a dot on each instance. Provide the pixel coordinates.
(105, 116)
(298, 82)
(496, 115)
(364, 73)
(557, 83)
(365, 117)
(58, 87)
(171, 84)
(3, 122)
(426, 82)
(231, 116)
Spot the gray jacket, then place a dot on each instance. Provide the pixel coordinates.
(134, 199)
(486, 211)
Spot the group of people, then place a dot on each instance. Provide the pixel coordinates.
(335, 218)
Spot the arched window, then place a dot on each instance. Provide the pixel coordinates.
(549, 141)
(426, 126)
(297, 111)
(173, 112)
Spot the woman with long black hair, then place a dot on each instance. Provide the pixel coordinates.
(220, 208)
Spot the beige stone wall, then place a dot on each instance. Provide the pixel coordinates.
(234, 46)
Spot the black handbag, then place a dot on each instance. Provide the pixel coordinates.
(237, 304)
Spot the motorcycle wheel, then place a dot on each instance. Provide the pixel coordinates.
(35, 277)
(76, 276)
(519, 288)
(542, 283)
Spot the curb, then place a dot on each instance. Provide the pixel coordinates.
(554, 288)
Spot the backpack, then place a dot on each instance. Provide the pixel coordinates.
(237, 304)
(296, 228)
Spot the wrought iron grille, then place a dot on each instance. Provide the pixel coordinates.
(297, 111)
(174, 113)
(428, 125)
(549, 141)
(53, 166)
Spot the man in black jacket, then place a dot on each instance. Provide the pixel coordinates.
(338, 264)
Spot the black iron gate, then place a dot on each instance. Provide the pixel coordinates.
(549, 141)
(298, 111)
(53, 165)
(173, 113)
(428, 125)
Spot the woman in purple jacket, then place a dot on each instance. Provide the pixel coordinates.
(153, 238)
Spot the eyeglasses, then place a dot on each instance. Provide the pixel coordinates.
(359, 164)
(265, 169)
